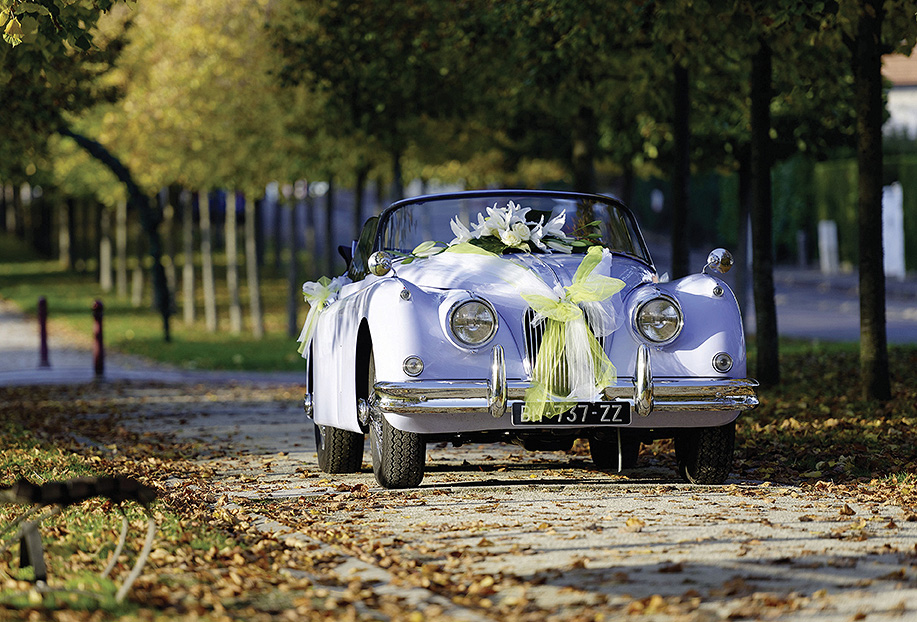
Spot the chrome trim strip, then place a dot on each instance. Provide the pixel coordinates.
(496, 398)
(643, 383)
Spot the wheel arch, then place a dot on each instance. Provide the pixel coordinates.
(361, 362)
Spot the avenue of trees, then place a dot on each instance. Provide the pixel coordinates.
(119, 100)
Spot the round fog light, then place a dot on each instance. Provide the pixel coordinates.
(413, 366)
(722, 362)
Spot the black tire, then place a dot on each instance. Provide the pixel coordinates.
(705, 454)
(339, 451)
(398, 456)
(605, 452)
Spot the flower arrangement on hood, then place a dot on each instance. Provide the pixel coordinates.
(506, 230)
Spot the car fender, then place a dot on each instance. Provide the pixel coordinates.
(712, 324)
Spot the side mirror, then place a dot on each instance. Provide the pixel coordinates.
(719, 260)
(380, 263)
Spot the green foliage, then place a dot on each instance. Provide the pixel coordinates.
(50, 66)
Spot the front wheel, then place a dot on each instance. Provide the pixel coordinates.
(339, 451)
(705, 454)
(398, 456)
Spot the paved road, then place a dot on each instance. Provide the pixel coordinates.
(547, 534)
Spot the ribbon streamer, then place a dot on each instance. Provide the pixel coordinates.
(318, 294)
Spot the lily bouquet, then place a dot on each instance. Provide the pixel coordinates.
(507, 230)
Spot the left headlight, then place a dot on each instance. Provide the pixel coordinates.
(659, 319)
(473, 322)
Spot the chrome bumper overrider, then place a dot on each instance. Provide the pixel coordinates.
(643, 392)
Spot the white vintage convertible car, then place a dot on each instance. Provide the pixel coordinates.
(522, 316)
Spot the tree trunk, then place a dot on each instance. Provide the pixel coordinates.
(105, 250)
(743, 248)
(187, 270)
(232, 265)
(681, 174)
(627, 184)
(768, 362)
(168, 248)
(14, 215)
(582, 153)
(9, 220)
(42, 225)
(397, 176)
(251, 267)
(121, 249)
(3, 204)
(294, 287)
(278, 231)
(330, 246)
(359, 191)
(314, 268)
(64, 246)
(867, 60)
(210, 293)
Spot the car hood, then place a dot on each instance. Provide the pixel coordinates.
(445, 272)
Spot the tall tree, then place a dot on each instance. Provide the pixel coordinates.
(768, 365)
(867, 51)
(872, 28)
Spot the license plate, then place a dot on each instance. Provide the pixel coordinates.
(584, 413)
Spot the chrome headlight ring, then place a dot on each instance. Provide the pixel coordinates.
(658, 320)
(472, 322)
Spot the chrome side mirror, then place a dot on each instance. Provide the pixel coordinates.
(379, 263)
(719, 260)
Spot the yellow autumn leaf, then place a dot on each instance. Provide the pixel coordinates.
(13, 28)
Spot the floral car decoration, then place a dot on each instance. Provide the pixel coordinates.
(528, 326)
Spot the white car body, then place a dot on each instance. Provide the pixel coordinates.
(466, 392)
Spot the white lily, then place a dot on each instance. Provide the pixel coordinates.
(462, 233)
(515, 214)
(484, 226)
(555, 227)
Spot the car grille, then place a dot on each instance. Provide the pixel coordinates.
(533, 337)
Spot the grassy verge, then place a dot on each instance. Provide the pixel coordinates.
(205, 564)
(25, 278)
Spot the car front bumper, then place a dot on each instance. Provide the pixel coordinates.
(646, 395)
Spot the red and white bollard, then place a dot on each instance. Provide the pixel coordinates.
(98, 348)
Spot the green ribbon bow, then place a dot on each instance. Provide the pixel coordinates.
(570, 364)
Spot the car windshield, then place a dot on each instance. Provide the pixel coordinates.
(408, 223)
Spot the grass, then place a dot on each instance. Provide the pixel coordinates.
(205, 564)
(24, 278)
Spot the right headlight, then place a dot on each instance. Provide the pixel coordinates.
(473, 322)
(659, 319)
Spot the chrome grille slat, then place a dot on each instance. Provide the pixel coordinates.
(534, 335)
